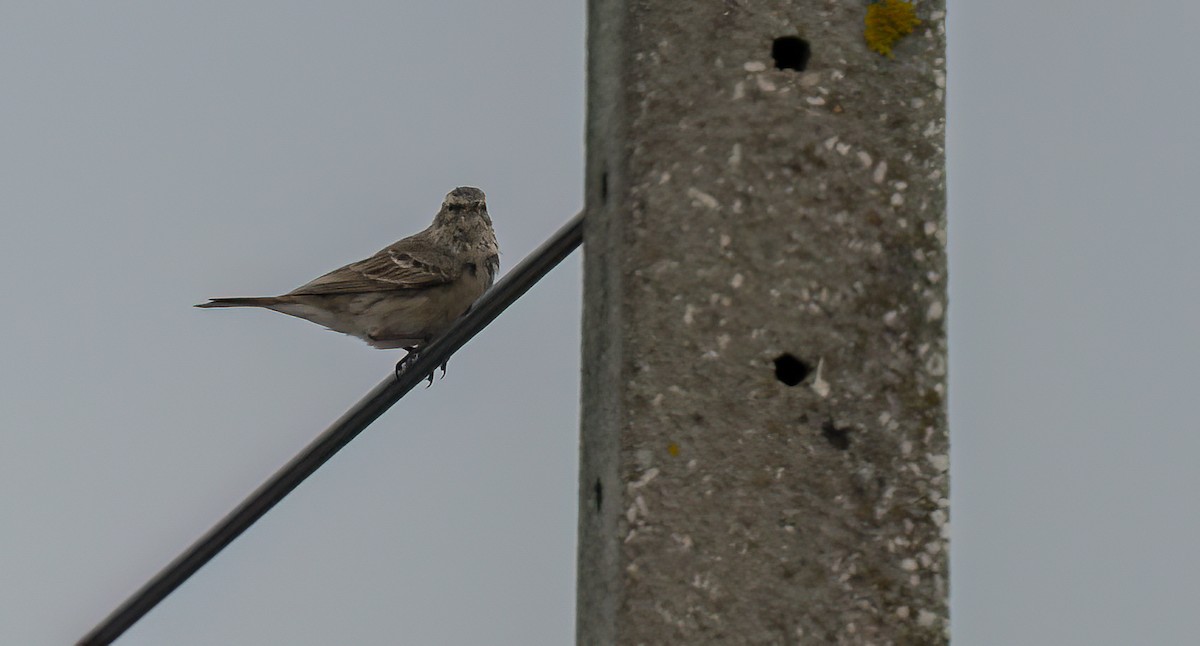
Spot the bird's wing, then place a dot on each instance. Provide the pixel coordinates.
(493, 267)
(408, 264)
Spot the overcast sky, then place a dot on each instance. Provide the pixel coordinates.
(157, 154)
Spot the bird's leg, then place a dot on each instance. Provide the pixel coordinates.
(404, 363)
(413, 354)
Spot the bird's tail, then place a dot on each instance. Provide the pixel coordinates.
(260, 301)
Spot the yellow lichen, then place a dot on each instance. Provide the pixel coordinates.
(887, 22)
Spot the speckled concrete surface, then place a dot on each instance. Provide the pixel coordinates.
(751, 226)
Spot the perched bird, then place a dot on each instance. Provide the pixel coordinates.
(410, 292)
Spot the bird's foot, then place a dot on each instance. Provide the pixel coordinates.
(432, 372)
(410, 358)
(403, 365)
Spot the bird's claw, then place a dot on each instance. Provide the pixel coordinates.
(430, 383)
(403, 364)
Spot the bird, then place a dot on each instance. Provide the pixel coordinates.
(408, 293)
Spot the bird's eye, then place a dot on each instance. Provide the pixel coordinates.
(454, 208)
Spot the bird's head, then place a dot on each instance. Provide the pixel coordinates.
(464, 212)
(465, 199)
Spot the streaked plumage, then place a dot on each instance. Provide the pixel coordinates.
(408, 293)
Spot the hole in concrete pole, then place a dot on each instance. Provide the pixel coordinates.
(599, 489)
(604, 187)
(790, 53)
(791, 370)
(839, 438)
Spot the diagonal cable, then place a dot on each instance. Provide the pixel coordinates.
(367, 410)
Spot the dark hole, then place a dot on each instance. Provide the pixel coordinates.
(791, 370)
(790, 53)
(839, 438)
(604, 188)
(599, 489)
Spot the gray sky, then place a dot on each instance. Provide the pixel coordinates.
(155, 155)
(1074, 275)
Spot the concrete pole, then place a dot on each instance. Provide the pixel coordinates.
(765, 455)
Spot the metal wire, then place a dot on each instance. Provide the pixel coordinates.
(367, 410)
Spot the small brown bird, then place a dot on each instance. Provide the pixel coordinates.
(410, 292)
